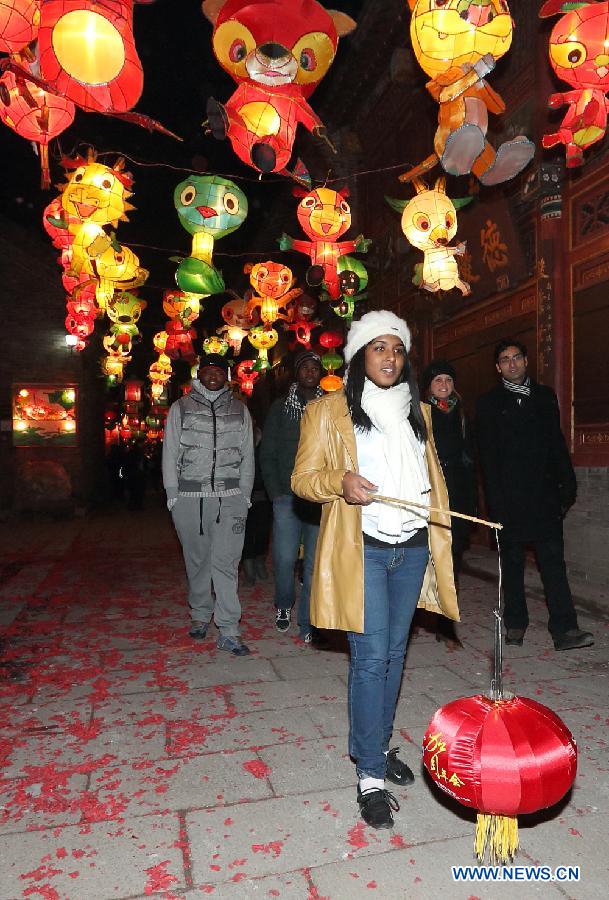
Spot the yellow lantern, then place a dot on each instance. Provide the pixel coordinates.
(457, 43)
(429, 222)
(262, 338)
(215, 344)
(118, 268)
(160, 341)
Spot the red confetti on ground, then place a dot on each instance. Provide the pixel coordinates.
(575, 832)
(372, 884)
(356, 836)
(85, 731)
(398, 841)
(41, 872)
(44, 890)
(159, 878)
(273, 847)
(257, 768)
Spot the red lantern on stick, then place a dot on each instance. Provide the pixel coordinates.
(502, 757)
(18, 23)
(88, 53)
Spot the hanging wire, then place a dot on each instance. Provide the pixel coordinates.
(497, 680)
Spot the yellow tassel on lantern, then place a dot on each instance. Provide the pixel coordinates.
(498, 835)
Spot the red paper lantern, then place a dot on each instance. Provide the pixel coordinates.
(330, 339)
(88, 54)
(18, 23)
(34, 114)
(133, 391)
(503, 758)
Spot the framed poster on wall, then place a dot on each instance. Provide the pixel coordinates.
(44, 415)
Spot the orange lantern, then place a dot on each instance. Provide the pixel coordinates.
(274, 285)
(18, 23)
(457, 44)
(88, 54)
(34, 114)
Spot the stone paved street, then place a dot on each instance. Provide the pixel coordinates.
(137, 762)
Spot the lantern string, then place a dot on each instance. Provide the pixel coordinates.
(497, 680)
(151, 164)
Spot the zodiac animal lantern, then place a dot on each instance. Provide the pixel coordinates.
(429, 222)
(324, 216)
(457, 43)
(277, 51)
(274, 286)
(579, 55)
(208, 207)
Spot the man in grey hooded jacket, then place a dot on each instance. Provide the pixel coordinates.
(208, 473)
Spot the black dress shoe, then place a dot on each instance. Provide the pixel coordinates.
(397, 771)
(375, 807)
(573, 639)
(515, 636)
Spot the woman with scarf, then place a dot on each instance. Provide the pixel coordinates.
(454, 444)
(375, 562)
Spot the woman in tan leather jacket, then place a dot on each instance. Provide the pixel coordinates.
(375, 562)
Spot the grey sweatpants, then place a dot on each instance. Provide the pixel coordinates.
(212, 557)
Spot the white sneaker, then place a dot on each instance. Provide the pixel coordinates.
(282, 619)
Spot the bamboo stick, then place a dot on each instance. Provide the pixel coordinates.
(406, 504)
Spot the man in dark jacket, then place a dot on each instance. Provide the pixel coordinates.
(293, 519)
(530, 485)
(208, 473)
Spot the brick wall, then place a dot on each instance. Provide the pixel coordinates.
(587, 536)
(34, 350)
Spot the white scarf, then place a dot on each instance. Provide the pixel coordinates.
(406, 477)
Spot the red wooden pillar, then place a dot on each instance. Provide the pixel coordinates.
(554, 310)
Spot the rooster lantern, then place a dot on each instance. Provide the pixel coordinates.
(429, 222)
(277, 51)
(579, 55)
(457, 43)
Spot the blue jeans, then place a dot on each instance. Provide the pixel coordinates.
(294, 520)
(392, 585)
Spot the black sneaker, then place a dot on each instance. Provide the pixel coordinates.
(282, 619)
(375, 807)
(198, 631)
(573, 639)
(397, 771)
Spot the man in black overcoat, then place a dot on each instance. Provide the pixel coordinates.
(530, 485)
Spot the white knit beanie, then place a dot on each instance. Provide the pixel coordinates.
(373, 325)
